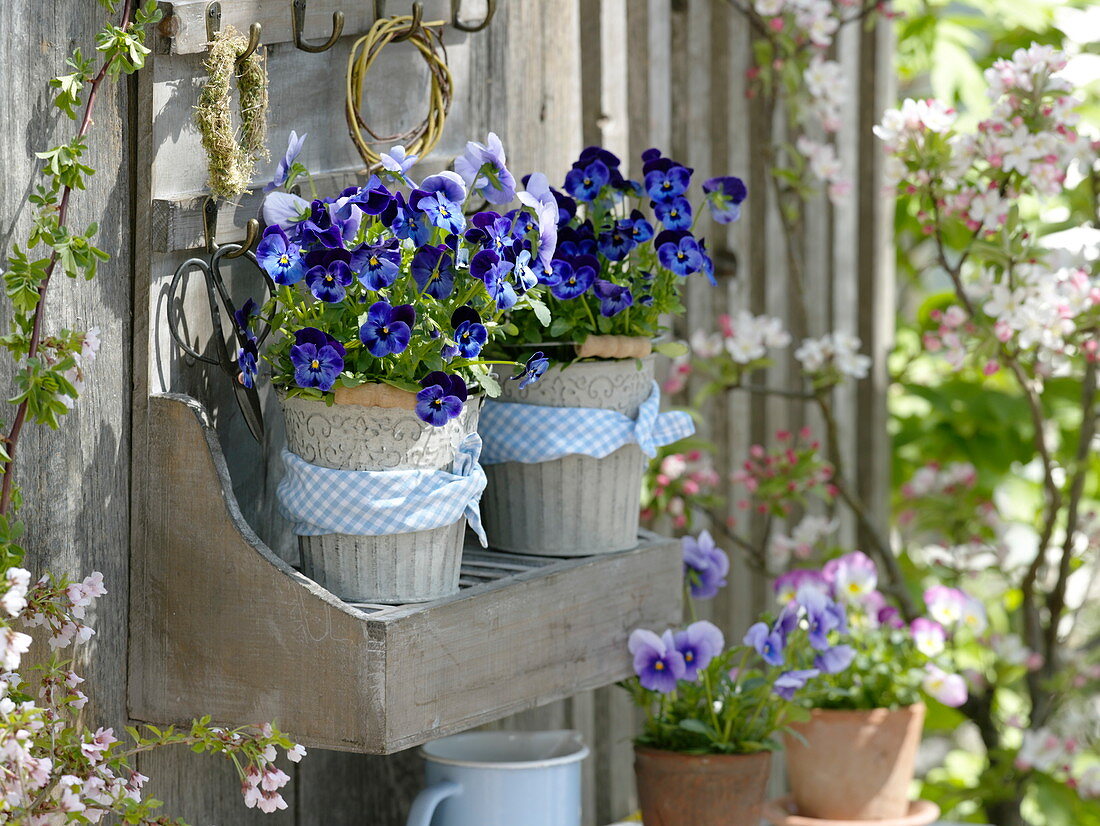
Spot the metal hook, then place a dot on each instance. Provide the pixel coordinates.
(298, 24)
(251, 233)
(414, 26)
(456, 8)
(253, 44)
(210, 225)
(214, 25)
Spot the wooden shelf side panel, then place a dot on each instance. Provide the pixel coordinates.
(222, 626)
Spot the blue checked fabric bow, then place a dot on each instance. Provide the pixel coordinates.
(319, 500)
(531, 433)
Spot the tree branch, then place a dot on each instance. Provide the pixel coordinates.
(12, 439)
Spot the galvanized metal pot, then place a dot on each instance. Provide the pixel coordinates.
(396, 568)
(701, 789)
(576, 505)
(854, 765)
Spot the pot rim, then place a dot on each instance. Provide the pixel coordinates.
(880, 711)
(668, 753)
(580, 752)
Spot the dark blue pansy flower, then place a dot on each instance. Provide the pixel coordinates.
(387, 329)
(441, 399)
(559, 270)
(646, 300)
(377, 267)
(617, 242)
(282, 169)
(613, 298)
(574, 282)
(433, 271)
(280, 259)
(243, 317)
(501, 237)
(573, 243)
(317, 357)
(311, 335)
(375, 201)
(493, 271)
(247, 363)
(329, 283)
(532, 371)
(439, 211)
(640, 229)
(567, 207)
(470, 334)
(678, 252)
(585, 183)
(675, 213)
(523, 221)
(665, 184)
(707, 267)
(323, 256)
(724, 197)
(597, 153)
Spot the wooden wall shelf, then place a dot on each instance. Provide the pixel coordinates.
(220, 625)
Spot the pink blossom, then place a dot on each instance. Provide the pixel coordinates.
(949, 689)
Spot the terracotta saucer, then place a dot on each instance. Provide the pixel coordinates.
(781, 813)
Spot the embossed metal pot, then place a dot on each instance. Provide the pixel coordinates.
(701, 789)
(391, 569)
(576, 505)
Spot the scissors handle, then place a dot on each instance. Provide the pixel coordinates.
(175, 312)
(232, 251)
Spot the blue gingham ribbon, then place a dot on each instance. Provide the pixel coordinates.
(319, 500)
(531, 433)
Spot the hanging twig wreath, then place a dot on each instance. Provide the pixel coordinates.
(231, 163)
(428, 40)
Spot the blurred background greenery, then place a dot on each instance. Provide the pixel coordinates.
(941, 416)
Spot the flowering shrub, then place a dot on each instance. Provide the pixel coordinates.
(792, 66)
(616, 269)
(701, 697)
(54, 769)
(389, 283)
(681, 482)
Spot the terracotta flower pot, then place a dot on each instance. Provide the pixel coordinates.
(854, 765)
(701, 789)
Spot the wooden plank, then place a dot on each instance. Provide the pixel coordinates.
(76, 479)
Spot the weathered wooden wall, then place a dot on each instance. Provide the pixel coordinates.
(549, 76)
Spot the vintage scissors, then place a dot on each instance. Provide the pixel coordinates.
(218, 296)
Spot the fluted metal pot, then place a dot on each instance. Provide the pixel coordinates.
(395, 568)
(576, 505)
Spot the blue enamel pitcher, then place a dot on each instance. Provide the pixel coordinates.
(502, 778)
